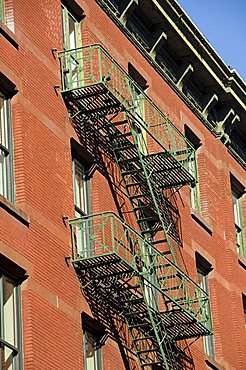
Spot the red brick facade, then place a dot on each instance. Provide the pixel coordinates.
(33, 233)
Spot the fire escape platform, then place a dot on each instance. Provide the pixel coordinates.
(91, 100)
(121, 258)
(105, 266)
(180, 325)
(114, 274)
(166, 171)
(94, 83)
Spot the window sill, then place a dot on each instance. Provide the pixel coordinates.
(9, 35)
(14, 211)
(213, 364)
(242, 261)
(200, 220)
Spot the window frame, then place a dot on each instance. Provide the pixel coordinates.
(16, 348)
(82, 236)
(66, 15)
(2, 11)
(195, 197)
(98, 351)
(203, 268)
(244, 307)
(7, 187)
(237, 191)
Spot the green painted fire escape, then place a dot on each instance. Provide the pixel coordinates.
(153, 157)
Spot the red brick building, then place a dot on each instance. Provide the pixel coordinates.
(123, 156)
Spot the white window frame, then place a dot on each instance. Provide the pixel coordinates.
(82, 208)
(239, 222)
(70, 41)
(6, 150)
(195, 200)
(202, 276)
(13, 346)
(97, 358)
(2, 11)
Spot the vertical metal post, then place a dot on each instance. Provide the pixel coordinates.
(99, 52)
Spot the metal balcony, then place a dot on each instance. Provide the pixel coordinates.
(94, 85)
(105, 248)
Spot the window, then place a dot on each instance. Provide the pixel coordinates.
(81, 186)
(203, 269)
(194, 191)
(244, 307)
(70, 29)
(94, 337)
(7, 14)
(237, 192)
(139, 108)
(92, 351)
(10, 324)
(6, 150)
(2, 11)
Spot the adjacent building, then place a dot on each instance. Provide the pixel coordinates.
(122, 182)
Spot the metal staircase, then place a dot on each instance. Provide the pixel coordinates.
(136, 274)
(158, 302)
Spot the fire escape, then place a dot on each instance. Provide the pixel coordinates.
(137, 273)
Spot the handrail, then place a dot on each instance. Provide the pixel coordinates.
(110, 234)
(92, 65)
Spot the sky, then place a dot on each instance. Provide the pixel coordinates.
(223, 23)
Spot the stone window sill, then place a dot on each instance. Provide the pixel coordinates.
(200, 220)
(213, 364)
(9, 35)
(14, 211)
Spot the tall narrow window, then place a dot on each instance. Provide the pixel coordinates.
(92, 351)
(10, 326)
(237, 191)
(139, 108)
(70, 29)
(194, 191)
(244, 307)
(6, 150)
(82, 206)
(203, 268)
(2, 11)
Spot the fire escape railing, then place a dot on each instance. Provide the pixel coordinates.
(92, 66)
(112, 261)
(106, 233)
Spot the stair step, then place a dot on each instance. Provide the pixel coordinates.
(147, 219)
(129, 287)
(129, 172)
(133, 313)
(147, 350)
(164, 265)
(159, 241)
(139, 325)
(139, 208)
(128, 160)
(151, 230)
(171, 288)
(138, 196)
(152, 363)
(134, 301)
(169, 277)
(125, 147)
(136, 183)
(118, 123)
(143, 338)
(120, 135)
(166, 253)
